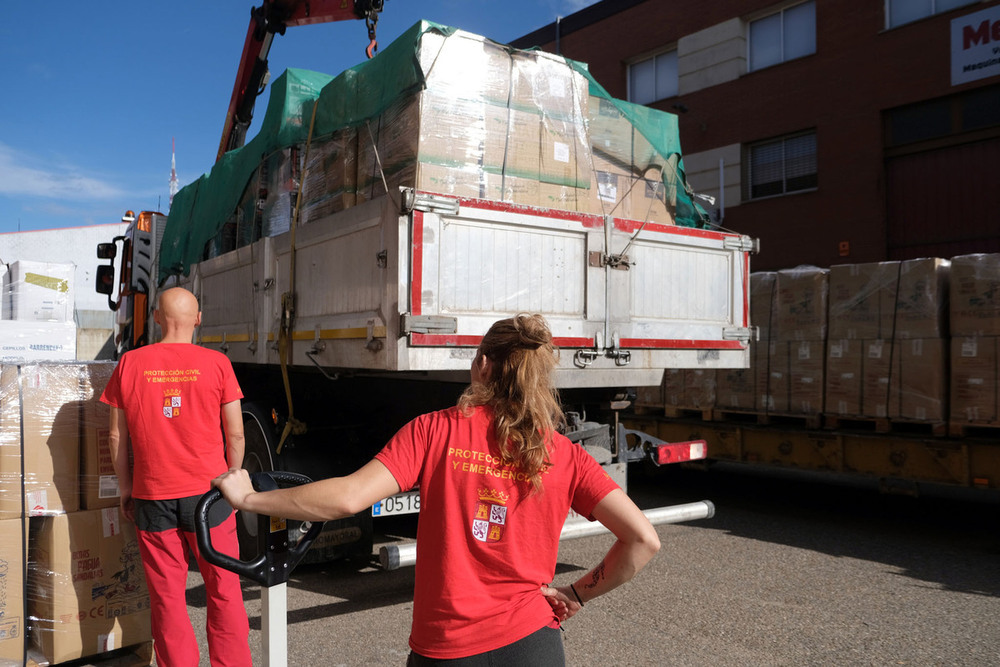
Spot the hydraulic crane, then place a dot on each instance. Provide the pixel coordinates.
(272, 18)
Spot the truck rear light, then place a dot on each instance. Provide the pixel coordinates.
(676, 452)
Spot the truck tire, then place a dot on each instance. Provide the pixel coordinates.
(258, 456)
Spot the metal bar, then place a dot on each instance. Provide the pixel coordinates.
(393, 557)
(274, 624)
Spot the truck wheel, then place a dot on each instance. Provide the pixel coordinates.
(260, 444)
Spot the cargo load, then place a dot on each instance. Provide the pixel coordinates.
(441, 111)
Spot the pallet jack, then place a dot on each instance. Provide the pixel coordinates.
(271, 569)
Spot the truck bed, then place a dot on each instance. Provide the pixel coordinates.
(409, 283)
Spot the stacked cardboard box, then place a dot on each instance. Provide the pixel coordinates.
(37, 305)
(798, 341)
(489, 123)
(975, 328)
(86, 589)
(746, 389)
(859, 349)
(689, 388)
(39, 439)
(98, 481)
(40, 291)
(86, 593)
(13, 611)
(920, 359)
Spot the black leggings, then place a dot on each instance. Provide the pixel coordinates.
(543, 648)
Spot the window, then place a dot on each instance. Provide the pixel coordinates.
(901, 12)
(781, 166)
(653, 79)
(976, 110)
(789, 34)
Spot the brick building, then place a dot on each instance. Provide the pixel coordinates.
(835, 131)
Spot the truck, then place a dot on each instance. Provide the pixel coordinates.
(351, 304)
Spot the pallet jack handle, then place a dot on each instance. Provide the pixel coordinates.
(271, 569)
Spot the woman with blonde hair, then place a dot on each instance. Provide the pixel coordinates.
(497, 481)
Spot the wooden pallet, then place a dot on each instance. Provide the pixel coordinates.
(973, 429)
(733, 415)
(704, 414)
(857, 423)
(139, 655)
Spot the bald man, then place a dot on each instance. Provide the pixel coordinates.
(170, 404)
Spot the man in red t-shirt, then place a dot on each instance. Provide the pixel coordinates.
(170, 403)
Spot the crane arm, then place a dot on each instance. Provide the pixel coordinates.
(272, 18)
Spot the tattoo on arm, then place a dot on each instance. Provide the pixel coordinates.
(596, 575)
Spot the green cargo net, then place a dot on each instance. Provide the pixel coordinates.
(412, 116)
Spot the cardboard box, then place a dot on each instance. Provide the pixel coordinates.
(41, 291)
(762, 297)
(86, 588)
(4, 293)
(98, 481)
(648, 200)
(876, 368)
(541, 80)
(973, 392)
(863, 300)
(920, 380)
(39, 430)
(13, 612)
(922, 298)
(564, 152)
(735, 388)
(331, 177)
(465, 66)
(800, 308)
(760, 366)
(975, 295)
(806, 376)
(776, 388)
(26, 341)
(610, 131)
(843, 377)
(674, 389)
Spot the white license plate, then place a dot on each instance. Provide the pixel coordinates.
(401, 503)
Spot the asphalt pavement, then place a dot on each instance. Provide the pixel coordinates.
(791, 570)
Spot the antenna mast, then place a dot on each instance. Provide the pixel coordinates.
(173, 170)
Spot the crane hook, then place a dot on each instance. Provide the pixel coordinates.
(372, 44)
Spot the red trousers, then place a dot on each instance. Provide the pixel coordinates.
(165, 561)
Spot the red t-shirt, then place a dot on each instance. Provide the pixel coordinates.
(486, 542)
(172, 395)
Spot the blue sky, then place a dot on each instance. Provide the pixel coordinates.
(93, 93)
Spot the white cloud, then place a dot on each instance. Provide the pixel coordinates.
(22, 174)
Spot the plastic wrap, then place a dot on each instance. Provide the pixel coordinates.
(863, 300)
(975, 295)
(453, 113)
(39, 291)
(86, 592)
(689, 388)
(330, 180)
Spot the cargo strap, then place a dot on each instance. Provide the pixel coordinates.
(292, 425)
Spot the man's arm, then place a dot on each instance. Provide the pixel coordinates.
(232, 425)
(118, 442)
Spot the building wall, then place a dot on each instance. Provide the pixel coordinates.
(859, 70)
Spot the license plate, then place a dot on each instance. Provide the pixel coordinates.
(401, 503)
